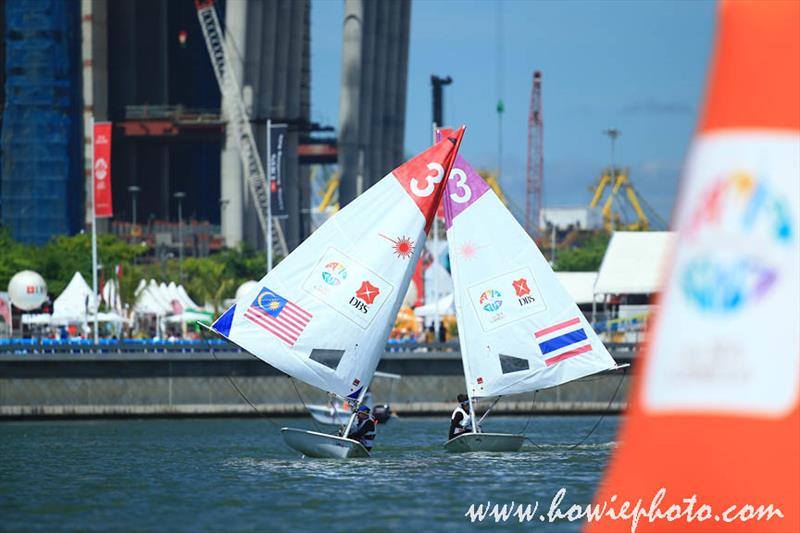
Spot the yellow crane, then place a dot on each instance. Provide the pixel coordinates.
(613, 219)
(327, 197)
(491, 180)
(332, 185)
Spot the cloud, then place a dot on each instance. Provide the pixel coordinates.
(656, 108)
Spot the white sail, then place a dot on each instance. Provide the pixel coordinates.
(324, 313)
(518, 327)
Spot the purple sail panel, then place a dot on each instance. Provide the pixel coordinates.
(464, 187)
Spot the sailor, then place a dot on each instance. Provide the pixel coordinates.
(460, 421)
(363, 429)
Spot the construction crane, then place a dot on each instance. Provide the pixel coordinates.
(239, 120)
(616, 180)
(533, 196)
(328, 196)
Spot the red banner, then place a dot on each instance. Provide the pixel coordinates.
(101, 170)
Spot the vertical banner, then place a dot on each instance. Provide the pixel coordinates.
(101, 170)
(5, 308)
(275, 169)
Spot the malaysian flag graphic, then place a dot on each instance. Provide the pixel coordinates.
(278, 315)
(562, 341)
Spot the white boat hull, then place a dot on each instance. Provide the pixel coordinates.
(484, 442)
(321, 445)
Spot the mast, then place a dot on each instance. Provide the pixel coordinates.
(462, 343)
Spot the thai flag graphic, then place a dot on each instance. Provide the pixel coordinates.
(278, 315)
(562, 341)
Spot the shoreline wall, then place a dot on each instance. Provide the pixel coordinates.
(204, 384)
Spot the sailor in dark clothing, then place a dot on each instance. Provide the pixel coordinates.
(460, 420)
(363, 429)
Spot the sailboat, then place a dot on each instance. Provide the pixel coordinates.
(337, 412)
(519, 329)
(324, 314)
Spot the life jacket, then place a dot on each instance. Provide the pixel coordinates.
(466, 421)
(369, 437)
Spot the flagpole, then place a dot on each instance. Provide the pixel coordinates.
(269, 195)
(94, 236)
(435, 259)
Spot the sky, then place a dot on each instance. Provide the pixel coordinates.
(639, 67)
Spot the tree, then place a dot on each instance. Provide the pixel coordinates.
(585, 257)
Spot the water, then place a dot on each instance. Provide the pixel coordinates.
(237, 475)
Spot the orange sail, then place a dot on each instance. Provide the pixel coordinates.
(713, 417)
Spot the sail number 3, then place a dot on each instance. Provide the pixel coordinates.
(464, 194)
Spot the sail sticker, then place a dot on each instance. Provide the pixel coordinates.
(334, 273)
(277, 315)
(367, 292)
(423, 177)
(468, 250)
(403, 247)
(491, 300)
(521, 287)
(731, 298)
(464, 186)
(563, 341)
(506, 298)
(348, 287)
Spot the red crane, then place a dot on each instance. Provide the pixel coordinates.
(533, 196)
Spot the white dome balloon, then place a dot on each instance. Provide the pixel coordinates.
(27, 290)
(244, 288)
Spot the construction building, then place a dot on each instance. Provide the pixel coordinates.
(144, 66)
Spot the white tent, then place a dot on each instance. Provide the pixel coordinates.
(633, 262)
(579, 285)
(110, 292)
(438, 282)
(148, 300)
(187, 302)
(111, 317)
(445, 306)
(174, 297)
(76, 302)
(158, 295)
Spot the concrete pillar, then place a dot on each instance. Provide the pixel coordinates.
(295, 57)
(368, 72)
(264, 28)
(349, 98)
(392, 76)
(402, 81)
(280, 86)
(381, 67)
(251, 58)
(305, 113)
(231, 186)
